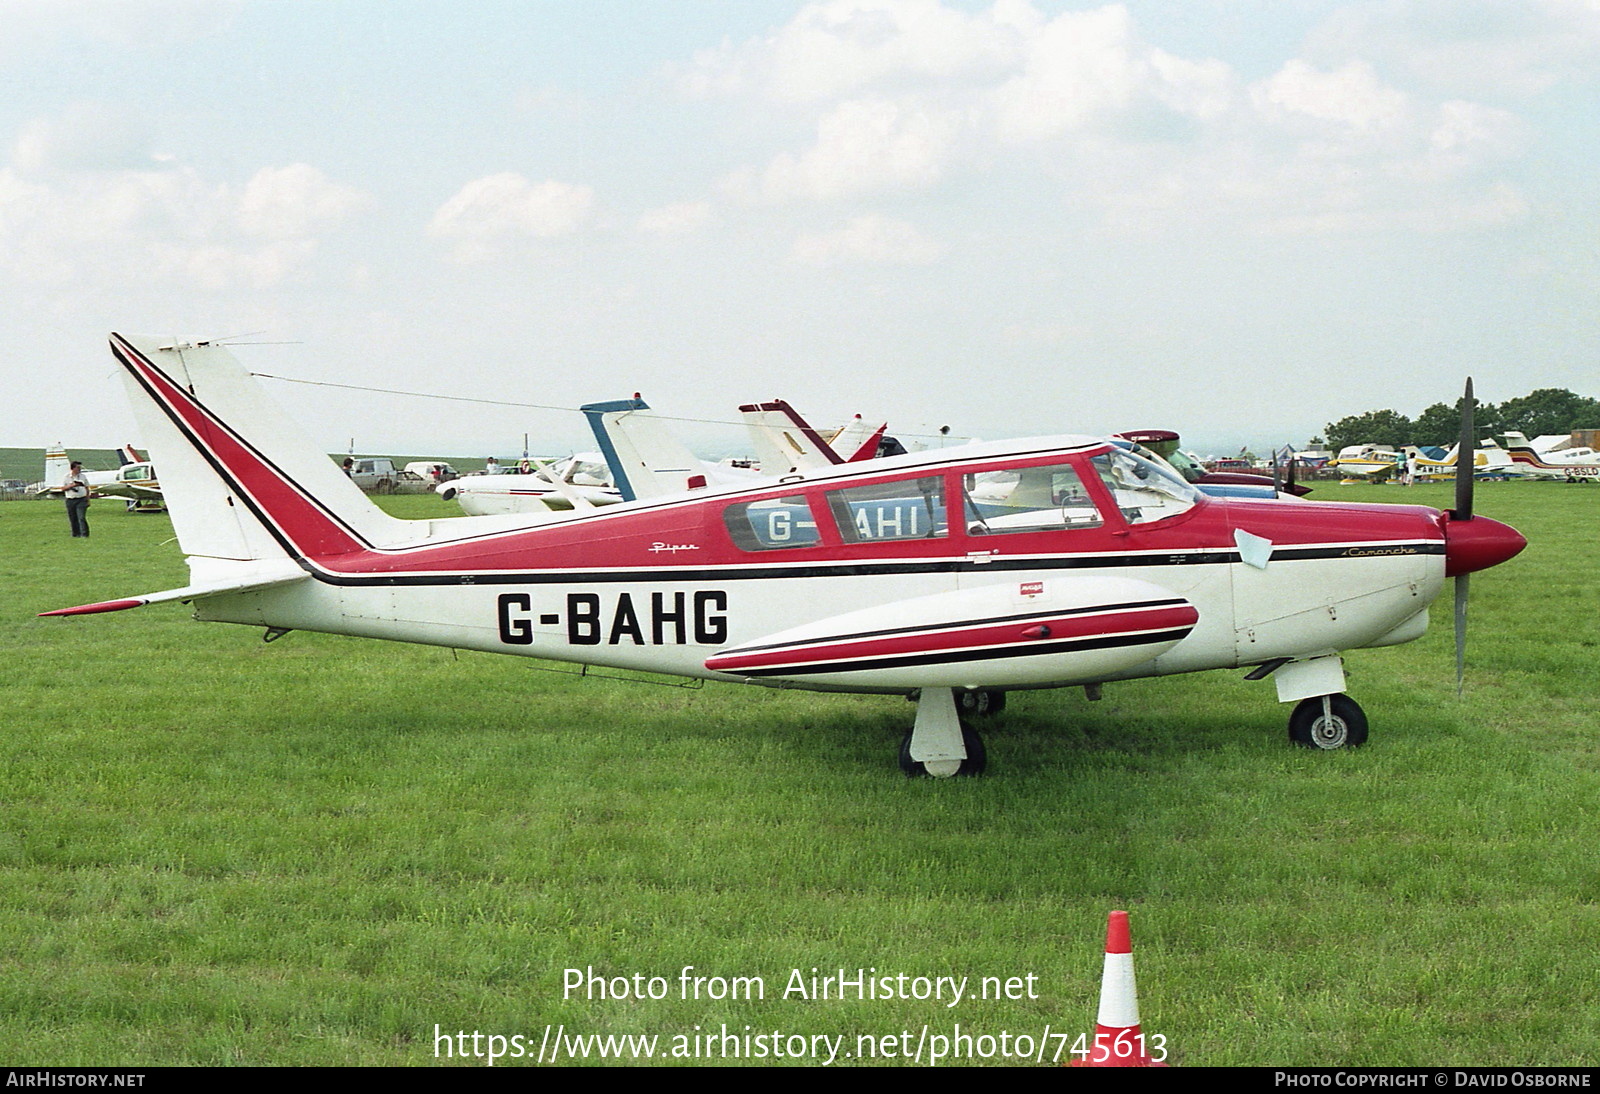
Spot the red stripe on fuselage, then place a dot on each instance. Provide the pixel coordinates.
(956, 637)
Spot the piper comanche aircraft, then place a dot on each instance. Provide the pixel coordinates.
(1054, 562)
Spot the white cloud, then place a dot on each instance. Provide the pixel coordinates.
(869, 239)
(1352, 97)
(862, 147)
(294, 201)
(169, 226)
(86, 136)
(489, 214)
(682, 218)
(908, 94)
(1484, 48)
(841, 47)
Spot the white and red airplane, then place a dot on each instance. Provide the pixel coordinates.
(1043, 563)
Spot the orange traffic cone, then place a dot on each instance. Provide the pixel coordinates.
(1118, 1041)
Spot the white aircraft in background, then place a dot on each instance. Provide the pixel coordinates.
(135, 481)
(1573, 463)
(1488, 460)
(1084, 564)
(1373, 462)
(639, 457)
(581, 481)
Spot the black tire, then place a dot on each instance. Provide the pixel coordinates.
(448, 495)
(1346, 729)
(983, 703)
(975, 763)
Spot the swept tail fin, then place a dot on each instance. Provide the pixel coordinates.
(784, 441)
(242, 480)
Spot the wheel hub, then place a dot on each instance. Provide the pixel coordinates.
(1329, 731)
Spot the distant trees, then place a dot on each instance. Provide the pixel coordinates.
(1548, 410)
(1373, 427)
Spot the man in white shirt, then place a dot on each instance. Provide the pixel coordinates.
(77, 495)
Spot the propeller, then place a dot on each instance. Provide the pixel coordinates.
(1465, 446)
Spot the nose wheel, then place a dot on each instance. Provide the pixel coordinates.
(1328, 722)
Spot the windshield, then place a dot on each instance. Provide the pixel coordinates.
(1145, 491)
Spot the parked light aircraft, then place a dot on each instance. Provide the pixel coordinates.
(1570, 464)
(640, 458)
(1373, 462)
(134, 481)
(1485, 461)
(1052, 562)
(542, 488)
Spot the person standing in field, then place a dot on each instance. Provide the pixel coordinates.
(77, 495)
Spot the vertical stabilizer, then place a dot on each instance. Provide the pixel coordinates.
(241, 480)
(857, 440)
(646, 460)
(784, 441)
(56, 468)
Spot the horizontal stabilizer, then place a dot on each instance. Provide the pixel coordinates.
(260, 578)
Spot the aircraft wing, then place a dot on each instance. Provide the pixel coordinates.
(259, 578)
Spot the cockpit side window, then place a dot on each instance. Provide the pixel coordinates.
(772, 524)
(1144, 491)
(1027, 499)
(883, 511)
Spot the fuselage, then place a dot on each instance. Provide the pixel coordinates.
(661, 586)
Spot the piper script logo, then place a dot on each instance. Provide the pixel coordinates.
(657, 548)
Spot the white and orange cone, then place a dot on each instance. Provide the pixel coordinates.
(1118, 1041)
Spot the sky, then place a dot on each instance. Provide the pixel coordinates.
(1238, 219)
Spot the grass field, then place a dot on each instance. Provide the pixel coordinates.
(217, 851)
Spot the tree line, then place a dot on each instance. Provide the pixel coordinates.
(1547, 410)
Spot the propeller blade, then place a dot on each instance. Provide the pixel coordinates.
(1292, 461)
(1461, 631)
(1465, 446)
(1277, 480)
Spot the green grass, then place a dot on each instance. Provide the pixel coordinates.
(219, 851)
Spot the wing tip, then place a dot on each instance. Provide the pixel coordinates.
(95, 609)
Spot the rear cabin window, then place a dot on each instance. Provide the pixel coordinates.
(771, 525)
(1144, 490)
(884, 511)
(1028, 499)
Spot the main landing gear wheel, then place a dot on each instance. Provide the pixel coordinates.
(940, 743)
(1328, 721)
(983, 703)
(977, 759)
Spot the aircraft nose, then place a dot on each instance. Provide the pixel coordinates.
(1477, 544)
